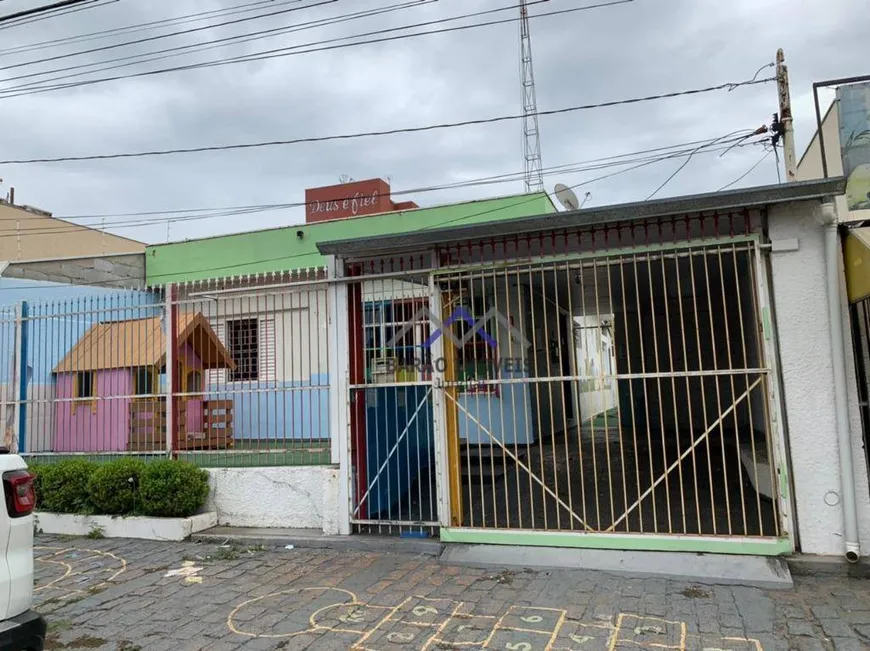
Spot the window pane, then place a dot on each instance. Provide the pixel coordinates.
(143, 381)
(243, 341)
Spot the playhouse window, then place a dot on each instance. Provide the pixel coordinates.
(243, 340)
(144, 381)
(194, 382)
(84, 384)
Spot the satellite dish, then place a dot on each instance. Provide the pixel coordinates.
(566, 197)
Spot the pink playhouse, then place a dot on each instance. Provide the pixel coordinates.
(108, 388)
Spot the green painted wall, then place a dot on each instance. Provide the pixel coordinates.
(280, 249)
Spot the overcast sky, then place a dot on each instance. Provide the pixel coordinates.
(640, 48)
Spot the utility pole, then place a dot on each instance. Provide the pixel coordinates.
(785, 118)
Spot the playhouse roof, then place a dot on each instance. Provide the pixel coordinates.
(142, 342)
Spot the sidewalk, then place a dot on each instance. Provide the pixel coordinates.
(129, 595)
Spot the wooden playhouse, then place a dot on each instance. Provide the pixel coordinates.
(110, 388)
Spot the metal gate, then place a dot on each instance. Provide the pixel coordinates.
(623, 392)
(392, 434)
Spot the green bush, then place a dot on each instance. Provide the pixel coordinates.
(114, 486)
(62, 487)
(172, 489)
(37, 470)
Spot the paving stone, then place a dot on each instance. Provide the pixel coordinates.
(365, 600)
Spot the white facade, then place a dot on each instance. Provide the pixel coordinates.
(803, 332)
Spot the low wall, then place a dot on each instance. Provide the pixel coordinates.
(297, 497)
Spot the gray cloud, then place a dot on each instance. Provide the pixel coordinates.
(646, 47)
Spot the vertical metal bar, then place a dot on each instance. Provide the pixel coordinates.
(536, 375)
(747, 363)
(773, 416)
(444, 464)
(691, 419)
(548, 370)
(170, 325)
(631, 383)
(726, 315)
(24, 326)
(525, 305)
(717, 379)
(560, 318)
(643, 369)
(576, 379)
(658, 384)
(671, 369)
(623, 462)
(597, 385)
(702, 367)
(515, 353)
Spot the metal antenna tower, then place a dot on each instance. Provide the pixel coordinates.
(533, 173)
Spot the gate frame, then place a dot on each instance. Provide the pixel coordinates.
(754, 545)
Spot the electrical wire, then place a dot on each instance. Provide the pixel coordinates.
(747, 172)
(241, 210)
(387, 132)
(138, 27)
(240, 265)
(183, 32)
(54, 13)
(32, 88)
(687, 161)
(182, 50)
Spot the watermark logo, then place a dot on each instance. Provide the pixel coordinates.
(476, 327)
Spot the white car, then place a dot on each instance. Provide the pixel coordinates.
(21, 629)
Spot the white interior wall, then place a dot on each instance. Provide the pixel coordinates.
(803, 327)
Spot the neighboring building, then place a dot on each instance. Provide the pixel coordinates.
(33, 234)
(810, 167)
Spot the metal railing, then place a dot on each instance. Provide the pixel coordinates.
(219, 373)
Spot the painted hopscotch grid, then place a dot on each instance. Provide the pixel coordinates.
(420, 623)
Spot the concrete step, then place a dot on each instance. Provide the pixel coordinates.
(315, 539)
(716, 569)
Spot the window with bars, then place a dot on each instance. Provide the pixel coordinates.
(387, 340)
(243, 342)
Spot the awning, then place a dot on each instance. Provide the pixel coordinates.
(857, 262)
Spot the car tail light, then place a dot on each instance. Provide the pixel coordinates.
(20, 498)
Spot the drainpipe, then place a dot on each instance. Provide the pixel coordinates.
(838, 358)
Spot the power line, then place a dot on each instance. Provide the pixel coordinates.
(688, 160)
(25, 13)
(55, 12)
(33, 87)
(244, 210)
(169, 35)
(181, 50)
(387, 132)
(301, 255)
(138, 27)
(747, 172)
(201, 46)
(241, 210)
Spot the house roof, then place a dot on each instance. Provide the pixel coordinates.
(296, 247)
(142, 342)
(714, 201)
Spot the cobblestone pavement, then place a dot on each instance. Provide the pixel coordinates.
(127, 595)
